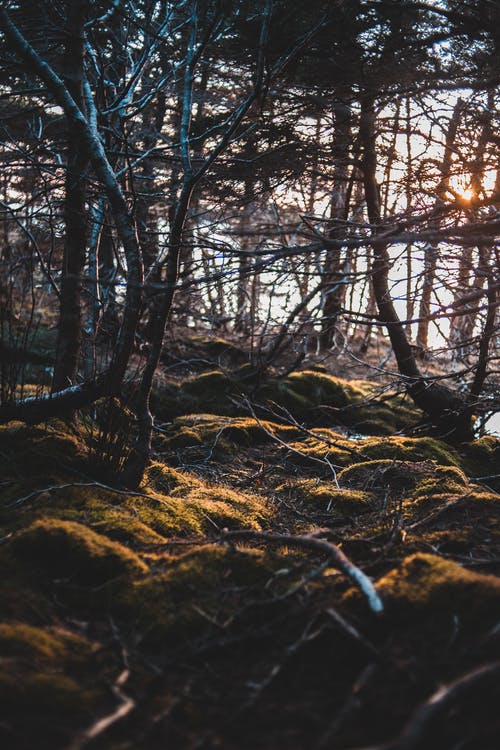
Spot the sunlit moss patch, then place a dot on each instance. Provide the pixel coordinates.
(325, 496)
(69, 550)
(429, 582)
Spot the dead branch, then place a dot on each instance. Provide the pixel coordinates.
(419, 731)
(125, 704)
(51, 488)
(338, 558)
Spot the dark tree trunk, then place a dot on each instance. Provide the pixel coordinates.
(446, 409)
(336, 265)
(431, 252)
(75, 219)
(91, 142)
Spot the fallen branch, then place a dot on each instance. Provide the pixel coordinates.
(419, 732)
(51, 488)
(338, 558)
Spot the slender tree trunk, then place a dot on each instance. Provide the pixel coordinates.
(462, 327)
(431, 252)
(242, 320)
(86, 126)
(336, 264)
(75, 219)
(446, 409)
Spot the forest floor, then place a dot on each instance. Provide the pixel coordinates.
(142, 620)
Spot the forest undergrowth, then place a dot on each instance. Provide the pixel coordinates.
(216, 606)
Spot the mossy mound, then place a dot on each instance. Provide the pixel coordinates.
(310, 389)
(127, 530)
(38, 646)
(224, 434)
(313, 396)
(310, 396)
(325, 496)
(468, 509)
(213, 392)
(341, 451)
(411, 478)
(410, 449)
(164, 480)
(444, 480)
(48, 685)
(223, 507)
(481, 458)
(45, 451)
(193, 508)
(197, 593)
(69, 550)
(429, 583)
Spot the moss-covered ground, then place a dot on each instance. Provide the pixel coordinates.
(129, 621)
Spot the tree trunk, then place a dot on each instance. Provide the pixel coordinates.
(335, 265)
(446, 409)
(75, 219)
(431, 252)
(86, 126)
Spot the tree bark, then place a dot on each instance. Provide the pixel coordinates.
(446, 409)
(75, 219)
(431, 252)
(335, 265)
(86, 127)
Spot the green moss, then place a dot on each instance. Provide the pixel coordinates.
(224, 434)
(44, 450)
(167, 481)
(199, 589)
(191, 509)
(325, 496)
(410, 449)
(400, 476)
(481, 457)
(68, 550)
(343, 452)
(44, 698)
(127, 530)
(445, 480)
(47, 709)
(381, 414)
(211, 391)
(41, 646)
(326, 443)
(167, 516)
(469, 507)
(311, 394)
(48, 684)
(302, 392)
(223, 507)
(429, 582)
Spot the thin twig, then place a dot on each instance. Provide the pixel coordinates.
(420, 729)
(100, 485)
(284, 444)
(339, 559)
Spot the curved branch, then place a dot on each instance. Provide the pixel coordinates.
(338, 558)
